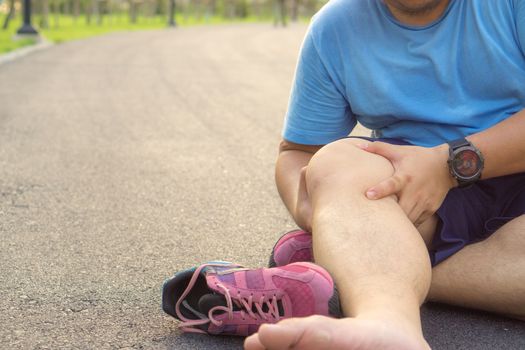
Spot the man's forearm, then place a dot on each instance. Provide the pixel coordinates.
(287, 176)
(503, 146)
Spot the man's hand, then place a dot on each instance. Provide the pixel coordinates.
(421, 179)
(303, 208)
(290, 172)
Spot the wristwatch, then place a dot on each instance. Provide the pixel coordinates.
(465, 162)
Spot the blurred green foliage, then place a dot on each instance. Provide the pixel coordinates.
(63, 20)
(7, 43)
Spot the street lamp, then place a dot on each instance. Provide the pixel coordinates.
(171, 21)
(27, 28)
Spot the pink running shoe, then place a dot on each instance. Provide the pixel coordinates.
(293, 246)
(227, 299)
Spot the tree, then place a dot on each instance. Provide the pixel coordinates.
(76, 10)
(133, 10)
(294, 15)
(279, 13)
(56, 11)
(10, 14)
(44, 18)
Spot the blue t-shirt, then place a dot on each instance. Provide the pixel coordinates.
(459, 75)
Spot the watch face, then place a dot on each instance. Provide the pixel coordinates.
(467, 163)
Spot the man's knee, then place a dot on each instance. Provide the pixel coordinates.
(345, 166)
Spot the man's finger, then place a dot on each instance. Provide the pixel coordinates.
(303, 209)
(303, 192)
(381, 148)
(253, 343)
(280, 336)
(388, 187)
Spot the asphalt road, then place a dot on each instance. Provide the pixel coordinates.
(127, 157)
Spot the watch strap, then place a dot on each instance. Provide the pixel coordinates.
(463, 142)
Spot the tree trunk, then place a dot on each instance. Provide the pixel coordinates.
(207, 9)
(212, 7)
(109, 11)
(186, 11)
(89, 11)
(44, 19)
(76, 10)
(133, 5)
(256, 8)
(279, 13)
(10, 15)
(230, 9)
(295, 10)
(98, 11)
(67, 7)
(199, 9)
(56, 13)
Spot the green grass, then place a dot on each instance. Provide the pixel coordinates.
(7, 41)
(65, 28)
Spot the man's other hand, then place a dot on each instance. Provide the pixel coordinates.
(303, 208)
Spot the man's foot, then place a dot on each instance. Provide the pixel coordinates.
(224, 298)
(318, 332)
(293, 246)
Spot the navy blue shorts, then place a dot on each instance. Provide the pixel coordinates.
(472, 214)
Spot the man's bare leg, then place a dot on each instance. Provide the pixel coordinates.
(489, 275)
(375, 254)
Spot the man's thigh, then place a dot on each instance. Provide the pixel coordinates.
(473, 214)
(487, 275)
(509, 240)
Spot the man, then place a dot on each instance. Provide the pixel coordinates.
(432, 208)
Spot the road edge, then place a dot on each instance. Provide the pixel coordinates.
(24, 51)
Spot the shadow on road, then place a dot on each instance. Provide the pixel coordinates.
(199, 341)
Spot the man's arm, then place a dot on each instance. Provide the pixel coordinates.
(503, 146)
(292, 159)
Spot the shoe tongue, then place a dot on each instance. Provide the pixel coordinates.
(209, 301)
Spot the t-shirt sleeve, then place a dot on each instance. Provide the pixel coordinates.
(519, 8)
(318, 113)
